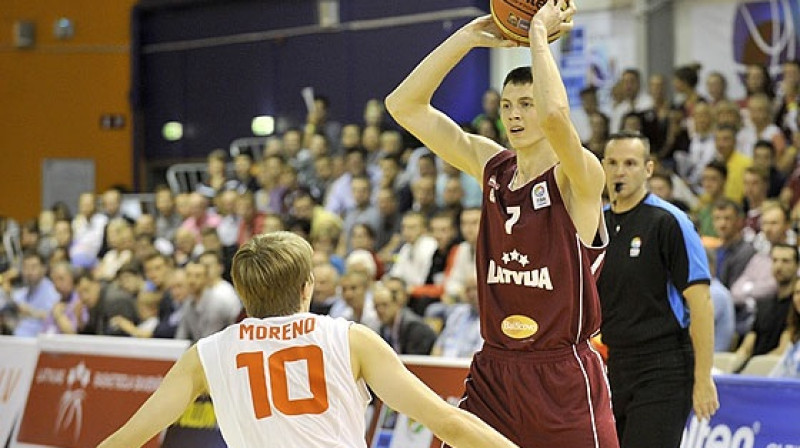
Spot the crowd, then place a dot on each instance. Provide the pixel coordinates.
(394, 228)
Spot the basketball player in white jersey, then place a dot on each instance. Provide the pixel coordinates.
(286, 378)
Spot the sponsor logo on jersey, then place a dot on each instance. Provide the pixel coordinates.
(518, 326)
(636, 247)
(700, 434)
(540, 195)
(532, 278)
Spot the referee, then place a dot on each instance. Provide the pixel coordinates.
(658, 320)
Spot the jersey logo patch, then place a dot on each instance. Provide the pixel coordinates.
(518, 326)
(636, 247)
(540, 195)
(493, 185)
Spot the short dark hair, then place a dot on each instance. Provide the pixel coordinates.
(631, 135)
(719, 167)
(725, 204)
(765, 144)
(519, 76)
(788, 246)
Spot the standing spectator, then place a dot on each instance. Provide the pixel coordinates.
(401, 328)
(656, 279)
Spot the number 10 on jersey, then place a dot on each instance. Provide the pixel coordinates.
(278, 383)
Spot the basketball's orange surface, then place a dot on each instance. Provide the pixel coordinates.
(513, 17)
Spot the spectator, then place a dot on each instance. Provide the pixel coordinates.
(326, 285)
(761, 127)
(200, 217)
(243, 180)
(218, 289)
(362, 212)
(356, 303)
(756, 182)
(120, 245)
(202, 316)
(32, 304)
(269, 198)
(632, 100)
(789, 365)
(167, 218)
(68, 311)
(147, 304)
(736, 162)
(733, 253)
(340, 195)
(580, 116)
(600, 131)
(771, 313)
(251, 221)
(764, 159)
(701, 151)
(461, 336)
(401, 328)
(169, 316)
(716, 87)
(490, 110)
(443, 231)
(660, 184)
(685, 83)
(102, 306)
(712, 183)
(388, 239)
(413, 261)
(724, 315)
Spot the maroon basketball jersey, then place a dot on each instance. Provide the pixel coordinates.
(535, 277)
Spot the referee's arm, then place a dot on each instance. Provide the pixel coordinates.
(701, 330)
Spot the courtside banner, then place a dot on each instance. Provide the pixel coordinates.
(445, 376)
(754, 412)
(85, 387)
(17, 361)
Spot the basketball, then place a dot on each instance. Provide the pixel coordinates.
(513, 17)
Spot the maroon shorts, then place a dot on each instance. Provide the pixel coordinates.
(557, 398)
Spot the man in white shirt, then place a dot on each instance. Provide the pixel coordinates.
(414, 258)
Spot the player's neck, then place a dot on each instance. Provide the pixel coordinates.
(533, 161)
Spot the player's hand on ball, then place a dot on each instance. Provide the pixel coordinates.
(484, 33)
(556, 18)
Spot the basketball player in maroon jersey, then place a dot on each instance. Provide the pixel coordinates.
(537, 380)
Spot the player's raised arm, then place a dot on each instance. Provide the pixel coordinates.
(582, 169)
(184, 382)
(380, 367)
(410, 102)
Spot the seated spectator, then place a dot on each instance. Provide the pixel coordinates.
(443, 231)
(88, 230)
(400, 327)
(362, 237)
(120, 249)
(147, 309)
(356, 302)
(218, 289)
(461, 336)
(756, 182)
(186, 247)
(228, 227)
(171, 308)
(362, 211)
(31, 305)
(712, 183)
(770, 320)
(761, 127)
(243, 179)
(701, 151)
(102, 305)
(69, 310)
(464, 257)
(215, 179)
(251, 221)
(733, 253)
(724, 314)
(764, 159)
(167, 218)
(203, 315)
(789, 365)
(660, 184)
(735, 161)
(200, 217)
(388, 239)
(326, 285)
(413, 261)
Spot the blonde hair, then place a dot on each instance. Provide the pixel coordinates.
(269, 273)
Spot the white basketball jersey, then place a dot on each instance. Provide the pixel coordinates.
(285, 382)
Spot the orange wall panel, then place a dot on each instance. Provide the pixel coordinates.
(52, 96)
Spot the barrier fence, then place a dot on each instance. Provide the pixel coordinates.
(68, 391)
